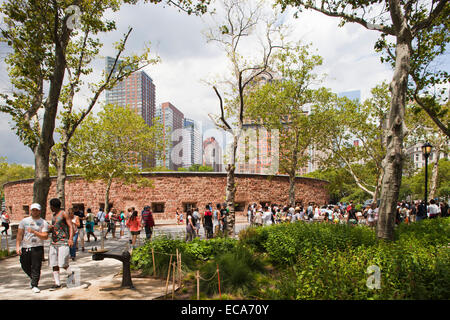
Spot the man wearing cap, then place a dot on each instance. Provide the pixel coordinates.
(32, 232)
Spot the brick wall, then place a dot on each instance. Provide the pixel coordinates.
(173, 189)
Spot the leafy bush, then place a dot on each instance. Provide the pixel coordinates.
(237, 268)
(286, 241)
(192, 253)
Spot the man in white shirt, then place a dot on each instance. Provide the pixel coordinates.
(433, 209)
(32, 232)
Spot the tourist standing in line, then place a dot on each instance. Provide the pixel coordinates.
(190, 228)
(114, 218)
(62, 241)
(5, 222)
(197, 218)
(421, 211)
(258, 218)
(134, 225)
(108, 220)
(216, 219)
(122, 221)
(80, 214)
(371, 215)
(267, 216)
(351, 218)
(208, 223)
(433, 210)
(31, 234)
(101, 217)
(90, 225)
(75, 225)
(224, 218)
(147, 221)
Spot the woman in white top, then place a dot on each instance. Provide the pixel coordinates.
(267, 217)
(316, 213)
(258, 218)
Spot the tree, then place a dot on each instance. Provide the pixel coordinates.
(12, 172)
(354, 135)
(423, 128)
(109, 147)
(240, 24)
(77, 68)
(404, 21)
(281, 104)
(41, 34)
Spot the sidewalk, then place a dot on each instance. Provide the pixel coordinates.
(100, 280)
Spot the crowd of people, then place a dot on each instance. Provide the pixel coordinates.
(67, 229)
(214, 220)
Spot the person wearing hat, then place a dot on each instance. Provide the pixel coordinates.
(32, 232)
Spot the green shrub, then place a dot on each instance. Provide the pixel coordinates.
(192, 253)
(286, 241)
(238, 269)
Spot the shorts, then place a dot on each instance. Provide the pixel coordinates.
(81, 233)
(135, 233)
(58, 256)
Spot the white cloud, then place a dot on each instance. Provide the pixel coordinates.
(187, 60)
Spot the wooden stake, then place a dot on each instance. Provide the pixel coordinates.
(198, 285)
(168, 274)
(218, 278)
(180, 275)
(153, 257)
(173, 280)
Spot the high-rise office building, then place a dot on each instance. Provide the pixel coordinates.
(136, 92)
(192, 143)
(172, 119)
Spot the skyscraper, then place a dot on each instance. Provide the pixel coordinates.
(136, 92)
(192, 143)
(172, 120)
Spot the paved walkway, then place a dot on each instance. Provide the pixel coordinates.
(98, 279)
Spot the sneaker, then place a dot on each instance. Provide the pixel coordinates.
(35, 290)
(55, 287)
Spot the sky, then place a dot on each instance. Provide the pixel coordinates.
(188, 61)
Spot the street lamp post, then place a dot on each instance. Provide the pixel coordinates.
(426, 151)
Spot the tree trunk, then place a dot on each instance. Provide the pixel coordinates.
(292, 189)
(434, 175)
(231, 188)
(378, 187)
(62, 175)
(108, 188)
(395, 132)
(41, 184)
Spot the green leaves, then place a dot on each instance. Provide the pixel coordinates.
(112, 145)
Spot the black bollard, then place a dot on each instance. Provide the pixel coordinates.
(125, 257)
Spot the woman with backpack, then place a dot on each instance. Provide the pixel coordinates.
(208, 223)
